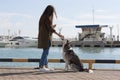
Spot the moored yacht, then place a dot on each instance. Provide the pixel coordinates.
(19, 41)
(3, 41)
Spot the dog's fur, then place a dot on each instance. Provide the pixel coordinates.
(70, 58)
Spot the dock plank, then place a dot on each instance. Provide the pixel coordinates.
(58, 74)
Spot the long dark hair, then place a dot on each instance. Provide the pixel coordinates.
(49, 11)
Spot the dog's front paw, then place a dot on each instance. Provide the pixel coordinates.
(90, 71)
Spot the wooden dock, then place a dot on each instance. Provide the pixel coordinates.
(58, 74)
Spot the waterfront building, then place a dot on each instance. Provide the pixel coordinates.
(91, 35)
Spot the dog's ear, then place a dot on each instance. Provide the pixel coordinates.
(67, 41)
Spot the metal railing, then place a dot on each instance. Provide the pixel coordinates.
(90, 62)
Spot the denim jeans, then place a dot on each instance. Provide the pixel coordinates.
(44, 61)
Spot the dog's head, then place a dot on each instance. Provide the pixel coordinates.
(66, 45)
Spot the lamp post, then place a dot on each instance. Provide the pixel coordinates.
(111, 27)
(60, 29)
(111, 37)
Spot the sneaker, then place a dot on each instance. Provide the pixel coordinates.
(50, 69)
(44, 70)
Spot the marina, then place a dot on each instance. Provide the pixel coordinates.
(91, 27)
(91, 36)
(20, 56)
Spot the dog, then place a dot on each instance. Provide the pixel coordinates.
(71, 59)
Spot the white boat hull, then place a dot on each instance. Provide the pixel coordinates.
(2, 44)
(22, 43)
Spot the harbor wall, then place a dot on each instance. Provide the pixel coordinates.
(88, 44)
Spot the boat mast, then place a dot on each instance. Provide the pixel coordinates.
(118, 33)
(93, 14)
(93, 11)
(8, 34)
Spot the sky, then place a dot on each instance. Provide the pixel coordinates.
(21, 17)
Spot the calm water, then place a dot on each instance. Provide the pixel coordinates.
(56, 52)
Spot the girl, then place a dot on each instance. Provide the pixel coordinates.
(46, 28)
